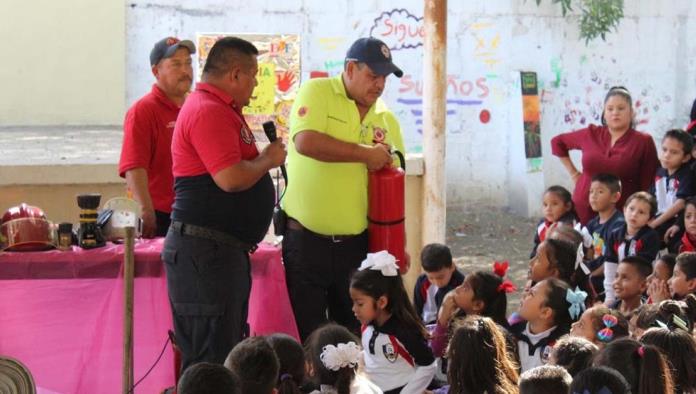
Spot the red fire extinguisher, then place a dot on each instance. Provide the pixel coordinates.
(386, 212)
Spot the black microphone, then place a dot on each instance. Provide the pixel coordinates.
(270, 130)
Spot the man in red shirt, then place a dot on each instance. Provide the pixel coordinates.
(222, 208)
(146, 160)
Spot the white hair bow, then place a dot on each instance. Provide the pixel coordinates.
(579, 260)
(340, 356)
(587, 239)
(381, 261)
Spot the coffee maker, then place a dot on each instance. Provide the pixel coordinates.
(89, 234)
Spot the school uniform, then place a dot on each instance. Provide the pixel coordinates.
(397, 360)
(428, 298)
(534, 349)
(544, 225)
(617, 304)
(646, 244)
(667, 189)
(686, 245)
(599, 233)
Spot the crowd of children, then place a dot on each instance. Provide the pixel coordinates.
(557, 342)
(609, 307)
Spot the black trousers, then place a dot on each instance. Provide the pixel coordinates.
(208, 285)
(163, 220)
(318, 272)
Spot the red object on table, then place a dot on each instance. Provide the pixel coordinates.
(25, 228)
(61, 314)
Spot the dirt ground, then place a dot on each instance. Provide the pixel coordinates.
(478, 236)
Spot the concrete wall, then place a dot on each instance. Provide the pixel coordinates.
(63, 62)
(489, 43)
(54, 188)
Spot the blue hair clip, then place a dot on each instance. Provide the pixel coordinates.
(576, 299)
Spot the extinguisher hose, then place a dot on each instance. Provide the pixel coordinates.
(402, 160)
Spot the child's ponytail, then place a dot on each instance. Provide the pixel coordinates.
(344, 378)
(654, 376)
(690, 301)
(288, 385)
(292, 362)
(675, 314)
(556, 300)
(679, 347)
(562, 255)
(568, 255)
(492, 370)
(643, 366)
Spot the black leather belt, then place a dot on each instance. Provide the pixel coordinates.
(295, 225)
(214, 235)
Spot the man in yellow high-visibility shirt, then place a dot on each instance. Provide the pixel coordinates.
(339, 130)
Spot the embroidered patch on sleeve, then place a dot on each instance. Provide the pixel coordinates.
(247, 135)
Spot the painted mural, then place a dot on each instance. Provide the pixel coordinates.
(278, 76)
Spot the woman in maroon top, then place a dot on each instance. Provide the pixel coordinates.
(614, 148)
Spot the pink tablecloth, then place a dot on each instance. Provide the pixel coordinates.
(61, 314)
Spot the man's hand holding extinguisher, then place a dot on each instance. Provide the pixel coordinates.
(377, 156)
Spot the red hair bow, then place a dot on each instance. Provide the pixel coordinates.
(507, 286)
(500, 268)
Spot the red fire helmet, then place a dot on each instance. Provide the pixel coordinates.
(25, 228)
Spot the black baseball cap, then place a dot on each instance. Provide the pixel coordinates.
(375, 54)
(166, 47)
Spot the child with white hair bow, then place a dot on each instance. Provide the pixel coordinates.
(333, 356)
(396, 353)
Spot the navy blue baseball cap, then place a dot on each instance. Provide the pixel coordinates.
(166, 47)
(375, 54)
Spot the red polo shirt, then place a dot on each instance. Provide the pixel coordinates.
(211, 134)
(147, 141)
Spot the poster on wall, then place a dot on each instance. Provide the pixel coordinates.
(531, 118)
(278, 76)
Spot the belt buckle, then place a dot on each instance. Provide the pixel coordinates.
(179, 227)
